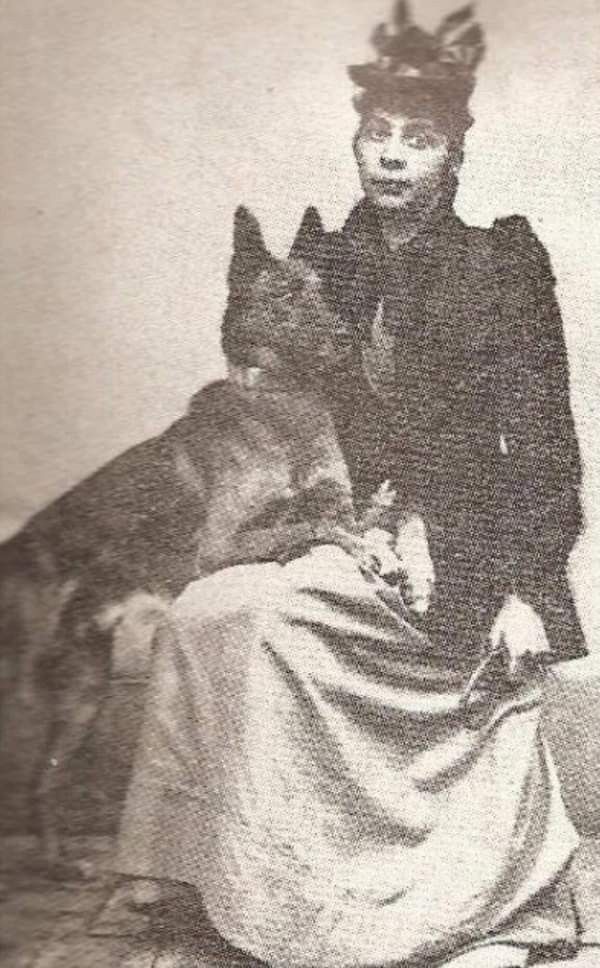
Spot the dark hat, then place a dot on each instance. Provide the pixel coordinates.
(413, 63)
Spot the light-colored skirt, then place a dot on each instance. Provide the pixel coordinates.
(304, 763)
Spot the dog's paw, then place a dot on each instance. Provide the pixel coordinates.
(118, 918)
(85, 870)
(62, 869)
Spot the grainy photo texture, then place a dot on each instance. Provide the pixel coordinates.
(299, 502)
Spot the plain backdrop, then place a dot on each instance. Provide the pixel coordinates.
(131, 129)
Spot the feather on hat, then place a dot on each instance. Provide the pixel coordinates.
(410, 60)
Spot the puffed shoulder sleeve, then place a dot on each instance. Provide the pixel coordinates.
(543, 512)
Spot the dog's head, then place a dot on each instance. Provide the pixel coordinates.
(278, 313)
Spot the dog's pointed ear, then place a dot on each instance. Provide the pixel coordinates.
(250, 254)
(309, 235)
(247, 233)
(250, 257)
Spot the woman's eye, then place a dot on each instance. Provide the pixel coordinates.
(377, 133)
(421, 141)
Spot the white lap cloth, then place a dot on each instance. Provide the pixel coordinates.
(304, 764)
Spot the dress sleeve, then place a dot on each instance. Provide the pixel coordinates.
(543, 516)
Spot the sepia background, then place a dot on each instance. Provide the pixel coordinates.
(131, 130)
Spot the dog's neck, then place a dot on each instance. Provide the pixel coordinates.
(265, 370)
(245, 378)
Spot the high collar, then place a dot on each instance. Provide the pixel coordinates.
(364, 228)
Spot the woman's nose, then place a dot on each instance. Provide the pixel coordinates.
(393, 157)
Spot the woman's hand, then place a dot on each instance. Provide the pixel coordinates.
(378, 556)
(519, 630)
(402, 561)
(417, 572)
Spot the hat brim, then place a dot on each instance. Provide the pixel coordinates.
(373, 78)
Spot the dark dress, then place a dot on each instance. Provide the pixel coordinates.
(305, 760)
(474, 423)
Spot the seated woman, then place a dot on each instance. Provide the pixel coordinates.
(306, 762)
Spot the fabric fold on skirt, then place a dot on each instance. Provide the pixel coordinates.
(304, 763)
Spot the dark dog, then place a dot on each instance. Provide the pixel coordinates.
(252, 471)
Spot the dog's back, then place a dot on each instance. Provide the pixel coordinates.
(242, 476)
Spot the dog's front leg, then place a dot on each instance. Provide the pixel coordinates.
(293, 540)
(280, 542)
(84, 676)
(332, 532)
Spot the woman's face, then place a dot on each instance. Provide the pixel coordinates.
(402, 160)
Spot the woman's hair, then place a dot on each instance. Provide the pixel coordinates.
(451, 116)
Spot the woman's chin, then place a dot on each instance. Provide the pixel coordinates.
(393, 202)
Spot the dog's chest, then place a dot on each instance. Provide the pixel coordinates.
(286, 442)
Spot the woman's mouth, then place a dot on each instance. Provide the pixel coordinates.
(391, 186)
